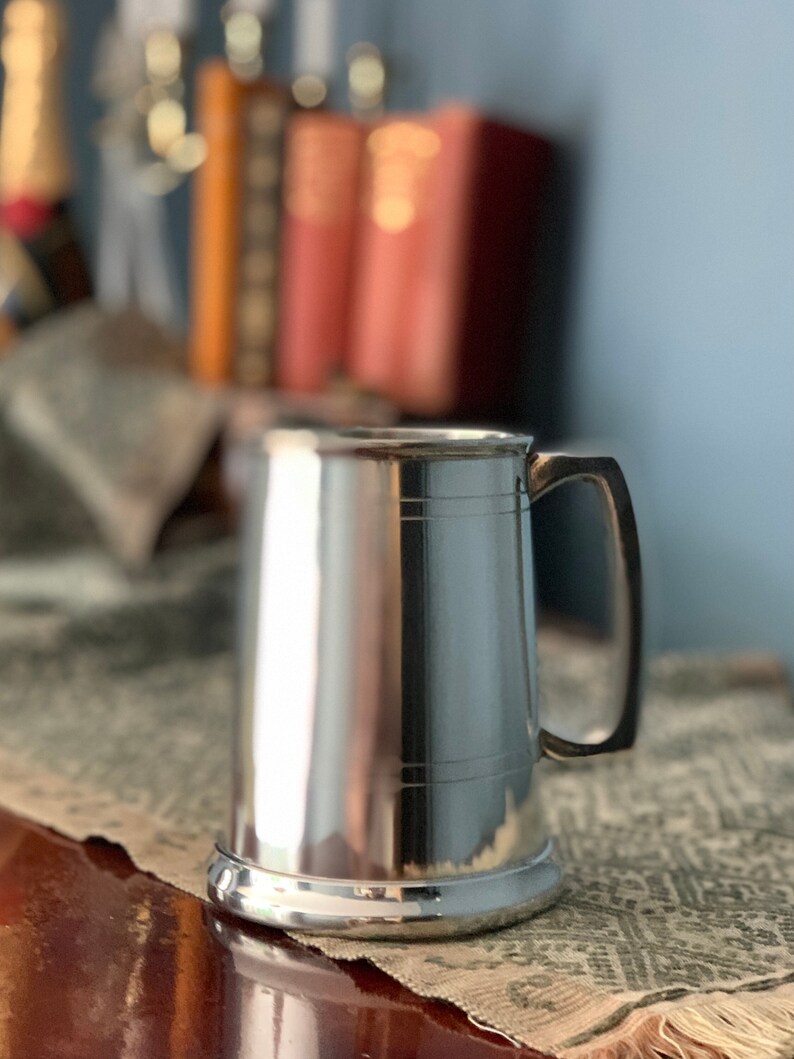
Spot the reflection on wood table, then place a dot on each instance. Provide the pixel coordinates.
(98, 960)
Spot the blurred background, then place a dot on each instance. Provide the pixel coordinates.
(659, 318)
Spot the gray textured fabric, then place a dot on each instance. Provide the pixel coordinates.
(676, 925)
(91, 402)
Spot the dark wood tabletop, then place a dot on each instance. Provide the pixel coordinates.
(98, 960)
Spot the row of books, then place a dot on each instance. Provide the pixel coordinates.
(390, 253)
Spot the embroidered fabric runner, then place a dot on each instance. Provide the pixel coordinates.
(675, 935)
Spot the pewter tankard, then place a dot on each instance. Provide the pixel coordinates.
(387, 731)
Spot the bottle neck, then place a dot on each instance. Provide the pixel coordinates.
(34, 156)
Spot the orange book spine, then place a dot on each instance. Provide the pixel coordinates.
(215, 229)
(321, 188)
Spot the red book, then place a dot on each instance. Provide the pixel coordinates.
(450, 208)
(321, 187)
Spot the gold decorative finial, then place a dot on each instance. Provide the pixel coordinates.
(309, 91)
(366, 80)
(244, 39)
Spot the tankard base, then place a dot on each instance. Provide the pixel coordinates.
(440, 907)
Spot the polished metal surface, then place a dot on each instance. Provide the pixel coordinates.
(546, 472)
(387, 727)
(464, 904)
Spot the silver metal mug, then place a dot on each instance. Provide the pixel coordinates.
(387, 729)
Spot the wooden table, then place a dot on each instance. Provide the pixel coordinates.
(99, 960)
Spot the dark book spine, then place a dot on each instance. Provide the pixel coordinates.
(256, 305)
(499, 297)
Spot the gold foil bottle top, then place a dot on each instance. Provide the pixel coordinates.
(34, 156)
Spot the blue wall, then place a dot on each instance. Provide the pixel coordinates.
(678, 120)
(677, 124)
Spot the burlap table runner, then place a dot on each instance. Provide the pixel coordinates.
(675, 936)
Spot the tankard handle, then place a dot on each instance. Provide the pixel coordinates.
(546, 472)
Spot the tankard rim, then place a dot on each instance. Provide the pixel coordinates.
(426, 442)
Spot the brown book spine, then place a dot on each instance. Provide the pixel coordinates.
(321, 187)
(264, 117)
(215, 229)
(449, 208)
